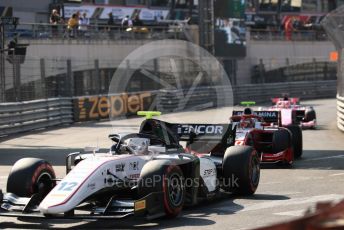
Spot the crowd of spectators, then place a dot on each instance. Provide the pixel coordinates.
(79, 25)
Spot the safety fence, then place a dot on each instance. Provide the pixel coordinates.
(340, 112)
(25, 116)
(41, 78)
(20, 117)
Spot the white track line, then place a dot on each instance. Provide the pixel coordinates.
(293, 201)
(295, 213)
(337, 174)
(324, 158)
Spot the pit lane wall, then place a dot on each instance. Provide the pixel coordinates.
(38, 114)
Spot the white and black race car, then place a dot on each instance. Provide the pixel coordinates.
(147, 173)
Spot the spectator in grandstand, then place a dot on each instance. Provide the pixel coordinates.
(110, 24)
(72, 25)
(55, 19)
(289, 28)
(137, 21)
(84, 22)
(126, 22)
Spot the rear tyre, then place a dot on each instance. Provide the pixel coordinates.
(29, 176)
(161, 175)
(241, 170)
(296, 132)
(281, 140)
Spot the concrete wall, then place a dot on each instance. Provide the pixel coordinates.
(274, 54)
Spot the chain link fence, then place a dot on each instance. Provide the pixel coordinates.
(39, 78)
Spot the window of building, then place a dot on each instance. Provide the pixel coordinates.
(161, 3)
(101, 2)
(309, 6)
(340, 3)
(250, 5)
(117, 2)
(135, 2)
(291, 5)
(268, 5)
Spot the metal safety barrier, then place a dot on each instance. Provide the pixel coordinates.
(302, 89)
(177, 100)
(30, 115)
(340, 112)
(25, 116)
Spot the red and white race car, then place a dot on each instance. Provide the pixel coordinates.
(294, 113)
(260, 130)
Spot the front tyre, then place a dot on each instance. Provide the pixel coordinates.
(241, 170)
(161, 175)
(309, 115)
(29, 176)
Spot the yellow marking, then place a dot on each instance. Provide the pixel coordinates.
(139, 205)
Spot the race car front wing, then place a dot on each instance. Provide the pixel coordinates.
(150, 206)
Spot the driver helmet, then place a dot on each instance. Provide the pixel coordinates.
(138, 146)
(283, 104)
(247, 123)
(248, 111)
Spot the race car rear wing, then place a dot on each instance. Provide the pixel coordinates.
(268, 116)
(173, 133)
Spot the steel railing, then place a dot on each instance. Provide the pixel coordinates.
(280, 35)
(25, 116)
(20, 117)
(170, 30)
(96, 32)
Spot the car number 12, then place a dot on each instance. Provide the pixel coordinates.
(67, 186)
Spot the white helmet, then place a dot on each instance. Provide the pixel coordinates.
(138, 146)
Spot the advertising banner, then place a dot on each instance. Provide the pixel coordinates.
(98, 107)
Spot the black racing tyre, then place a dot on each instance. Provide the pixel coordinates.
(281, 140)
(296, 132)
(29, 176)
(162, 175)
(241, 170)
(309, 115)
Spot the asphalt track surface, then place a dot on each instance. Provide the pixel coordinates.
(283, 193)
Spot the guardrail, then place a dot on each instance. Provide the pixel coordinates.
(31, 115)
(201, 97)
(302, 89)
(340, 112)
(25, 116)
